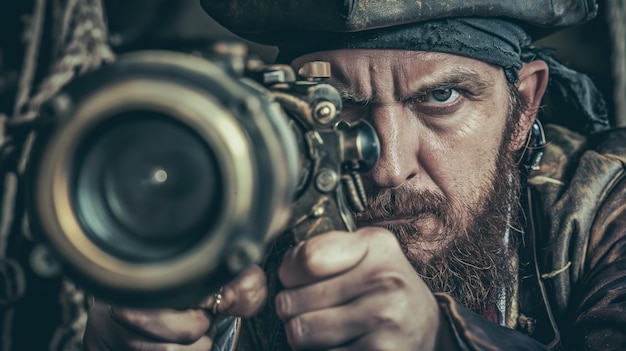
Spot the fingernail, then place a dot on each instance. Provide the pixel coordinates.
(282, 305)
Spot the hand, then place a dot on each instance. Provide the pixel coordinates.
(355, 291)
(169, 329)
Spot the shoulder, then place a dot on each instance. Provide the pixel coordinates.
(579, 168)
(580, 179)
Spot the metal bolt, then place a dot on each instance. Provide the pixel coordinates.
(273, 77)
(324, 112)
(326, 180)
(318, 211)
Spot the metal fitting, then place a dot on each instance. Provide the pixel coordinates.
(326, 180)
(324, 112)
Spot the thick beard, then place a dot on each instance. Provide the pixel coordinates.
(470, 262)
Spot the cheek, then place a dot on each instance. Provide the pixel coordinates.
(462, 160)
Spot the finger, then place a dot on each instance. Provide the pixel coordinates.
(203, 344)
(321, 257)
(332, 292)
(104, 333)
(166, 325)
(381, 311)
(379, 342)
(244, 296)
(341, 325)
(385, 340)
(369, 276)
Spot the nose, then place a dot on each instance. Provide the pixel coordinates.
(399, 143)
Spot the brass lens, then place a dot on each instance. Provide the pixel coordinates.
(146, 186)
(160, 177)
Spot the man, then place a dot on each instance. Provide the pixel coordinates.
(446, 258)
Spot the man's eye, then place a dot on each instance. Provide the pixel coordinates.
(440, 96)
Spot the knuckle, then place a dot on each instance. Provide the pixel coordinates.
(311, 257)
(131, 317)
(252, 281)
(393, 309)
(389, 280)
(187, 336)
(383, 344)
(386, 315)
(247, 302)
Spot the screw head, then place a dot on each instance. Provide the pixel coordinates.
(324, 112)
(326, 180)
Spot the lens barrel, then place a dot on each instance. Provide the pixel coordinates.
(160, 177)
(145, 187)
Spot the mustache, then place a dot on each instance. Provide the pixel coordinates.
(404, 202)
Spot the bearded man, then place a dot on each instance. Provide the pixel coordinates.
(458, 249)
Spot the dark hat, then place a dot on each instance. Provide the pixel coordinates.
(269, 21)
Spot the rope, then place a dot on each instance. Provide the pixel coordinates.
(79, 50)
(29, 65)
(79, 44)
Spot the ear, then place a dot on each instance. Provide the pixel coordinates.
(532, 83)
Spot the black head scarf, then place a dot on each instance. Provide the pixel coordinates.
(572, 99)
(490, 40)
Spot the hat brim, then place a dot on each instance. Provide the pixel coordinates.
(269, 21)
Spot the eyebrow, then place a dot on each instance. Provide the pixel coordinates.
(349, 93)
(467, 79)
